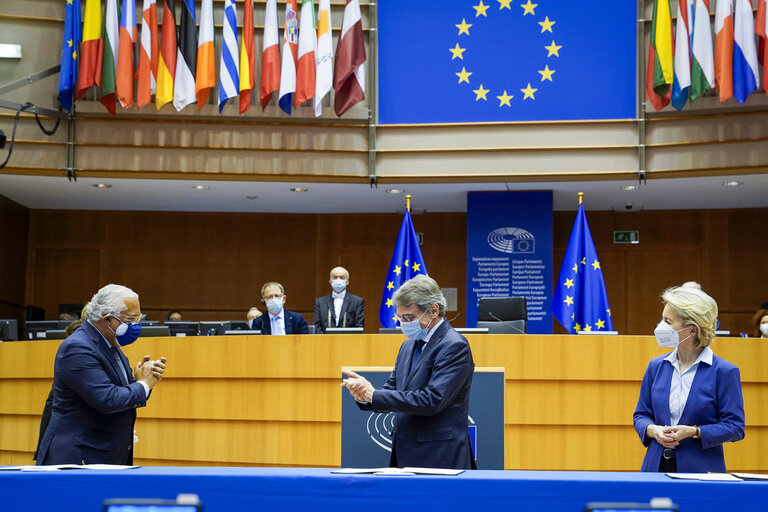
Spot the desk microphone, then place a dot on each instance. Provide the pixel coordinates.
(508, 324)
(454, 318)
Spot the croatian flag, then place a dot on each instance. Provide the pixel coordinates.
(745, 74)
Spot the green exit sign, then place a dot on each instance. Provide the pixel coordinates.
(626, 237)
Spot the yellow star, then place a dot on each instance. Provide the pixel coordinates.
(546, 25)
(504, 99)
(69, 1)
(588, 328)
(546, 73)
(389, 302)
(568, 300)
(609, 312)
(405, 263)
(416, 267)
(595, 265)
(553, 49)
(395, 319)
(480, 8)
(568, 283)
(390, 285)
(529, 7)
(397, 270)
(481, 93)
(528, 91)
(464, 27)
(463, 75)
(74, 55)
(583, 260)
(600, 324)
(457, 51)
(505, 3)
(577, 327)
(69, 43)
(575, 268)
(573, 315)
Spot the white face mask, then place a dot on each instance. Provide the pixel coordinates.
(338, 285)
(764, 329)
(666, 335)
(275, 305)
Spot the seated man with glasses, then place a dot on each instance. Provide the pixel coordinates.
(95, 394)
(279, 320)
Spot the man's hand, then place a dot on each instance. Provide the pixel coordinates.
(359, 387)
(150, 371)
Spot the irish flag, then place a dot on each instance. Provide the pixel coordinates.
(128, 36)
(247, 58)
(205, 79)
(147, 72)
(702, 53)
(724, 48)
(270, 57)
(91, 50)
(166, 68)
(682, 61)
(305, 68)
(745, 74)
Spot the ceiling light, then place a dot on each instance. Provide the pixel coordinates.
(102, 185)
(732, 183)
(251, 197)
(299, 189)
(201, 187)
(394, 191)
(629, 187)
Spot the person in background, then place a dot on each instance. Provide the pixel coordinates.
(254, 312)
(690, 399)
(340, 308)
(279, 320)
(760, 321)
(175, 316)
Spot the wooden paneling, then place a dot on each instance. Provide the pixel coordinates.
(14, 228)
(64, 276)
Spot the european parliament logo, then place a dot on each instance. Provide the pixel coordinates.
(380, 426)
(512, 240)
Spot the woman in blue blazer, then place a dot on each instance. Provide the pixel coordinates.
(690, 400)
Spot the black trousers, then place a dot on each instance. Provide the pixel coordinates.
(668, 465)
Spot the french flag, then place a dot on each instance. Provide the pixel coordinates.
(745, 74)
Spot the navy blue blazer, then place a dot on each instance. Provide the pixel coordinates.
(431, 403)
(715, 405)
(294, 323)
(93, 410)
(352, 312)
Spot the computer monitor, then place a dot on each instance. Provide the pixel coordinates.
(154, 331)
(55, 334)
(244, 332)
(344, 330)
(36, 329)
(239, 325)
(390, 330)
(63, 324)
(183, 328)
(9, 329)
(215, 328)
(145, 323)
(72, 309)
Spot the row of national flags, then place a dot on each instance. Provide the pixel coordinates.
(176, 59)
(685, 63)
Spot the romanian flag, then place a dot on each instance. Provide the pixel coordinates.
(702, 53)
(111, 36)
(349, 68)
(147, 72)
(91, 50)
(206, 64)
(761, 29)
(69, 46)
(166, 68)
(682, 61)
(247, 58)
(660, 66)
(724, 48)
(290, 55)
(229, 65)
(128, 36)
(306, 66)
(186, 56)
(745, 73)
(270, 57)
(324, 57)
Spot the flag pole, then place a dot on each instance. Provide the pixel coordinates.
(581, 196)
(408, 202)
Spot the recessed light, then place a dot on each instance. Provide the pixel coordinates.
(629, 187)
(201, 187)
(299, 189)
(251, 197)
(101, 185)
(732, 183)
(394, 191)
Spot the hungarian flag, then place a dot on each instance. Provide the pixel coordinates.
(247, 58)
(682, 61)
(323, 56)
(166, 68)
(702, 53)
(660, 67)
(349, 68)
(128, 36)
(761, 29)
(69, 44)
(229, 64)
(270, 57)
(305, 67)
(724, 48)
(290, 54)
(186, 56)
(91, 50)
(205, 78)
(111, 38)
(745, 73)
(147, 72)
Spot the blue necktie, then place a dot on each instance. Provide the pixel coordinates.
(417, 353)
(120, 364)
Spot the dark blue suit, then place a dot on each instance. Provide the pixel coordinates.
(93, 409)
(431, 403)
(294, 323)
(714, 404)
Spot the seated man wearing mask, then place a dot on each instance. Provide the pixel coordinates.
(340, 308)
(94, 394)
(278, 320)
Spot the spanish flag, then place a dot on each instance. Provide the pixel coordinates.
(91, 50)
(247, 58)
(166, 68)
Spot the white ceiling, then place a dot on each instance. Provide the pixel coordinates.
(37, 192)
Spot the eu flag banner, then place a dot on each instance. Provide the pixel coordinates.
(486, 61)
(406, 263)
(69, 57)
(580, 302)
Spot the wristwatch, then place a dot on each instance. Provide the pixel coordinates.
(697, 435)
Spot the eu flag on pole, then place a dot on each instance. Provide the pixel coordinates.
(407, 262)
(69, 56)
(580, 302)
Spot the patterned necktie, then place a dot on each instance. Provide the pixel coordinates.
(120, 365)
(417, 353)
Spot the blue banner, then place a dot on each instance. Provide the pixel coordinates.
(470, 61)
(509, 252)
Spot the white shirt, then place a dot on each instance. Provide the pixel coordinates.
(110, 346)
(680, 386)
(432, 331)
(278, 322)
(338, 300)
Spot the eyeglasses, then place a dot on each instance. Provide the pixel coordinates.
(274, 296)
(129, 319)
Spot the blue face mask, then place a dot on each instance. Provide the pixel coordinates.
(413, 329)
(126, 333)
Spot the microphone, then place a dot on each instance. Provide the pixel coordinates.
(508, 324)
(454, 318)
(344, 320)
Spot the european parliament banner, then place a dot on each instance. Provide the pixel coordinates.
(509, 252)
(500, 60)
